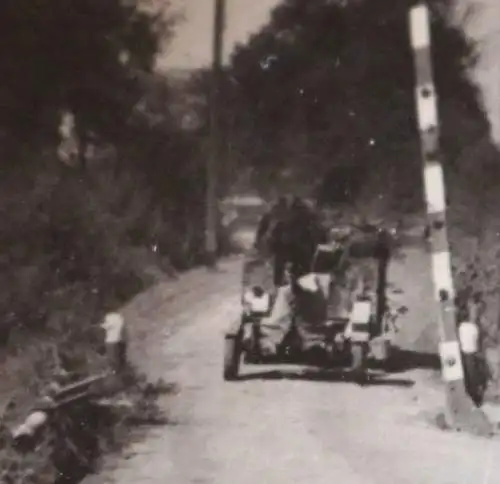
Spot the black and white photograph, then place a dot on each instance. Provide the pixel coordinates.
(249, 241)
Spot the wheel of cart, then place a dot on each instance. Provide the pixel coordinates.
(242, 341)
(233, 350)
(359, 337)
(251, 342)
(241, 346)
(358, 360)
(393, 352)
(368, 338)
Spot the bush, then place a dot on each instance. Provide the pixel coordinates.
(73, 248)
(67, 451)
(474, 222)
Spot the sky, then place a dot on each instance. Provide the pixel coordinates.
(191, 47)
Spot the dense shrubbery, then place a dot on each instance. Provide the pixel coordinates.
(79, 240)
(66, 451)
(90, 235)
(94, 233)
(74, 246)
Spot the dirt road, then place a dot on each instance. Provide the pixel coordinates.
(288, 427)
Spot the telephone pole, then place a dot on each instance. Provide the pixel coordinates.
(461, 413)
(215, 151)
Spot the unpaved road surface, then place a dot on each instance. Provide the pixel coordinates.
(282, 425)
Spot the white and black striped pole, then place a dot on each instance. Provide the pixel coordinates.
(461, 413)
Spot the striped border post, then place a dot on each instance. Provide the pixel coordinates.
(461, 413)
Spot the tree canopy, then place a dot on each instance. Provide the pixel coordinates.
(329, 83)
(81, 56)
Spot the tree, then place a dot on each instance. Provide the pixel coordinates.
(82, 56)
(342, 72)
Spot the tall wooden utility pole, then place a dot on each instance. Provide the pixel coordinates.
(461, 413)
(215, 151)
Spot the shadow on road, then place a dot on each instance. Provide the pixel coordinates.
(405, 360)
(327, 376)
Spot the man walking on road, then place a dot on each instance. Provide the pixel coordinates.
(468, 335)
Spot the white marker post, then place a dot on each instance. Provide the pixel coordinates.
(116, 342)
(461, 413)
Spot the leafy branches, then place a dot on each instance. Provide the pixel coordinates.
(81, 55)
(339, 75)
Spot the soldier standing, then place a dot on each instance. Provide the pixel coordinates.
(469, 339)
(270, 237)
(292, 231)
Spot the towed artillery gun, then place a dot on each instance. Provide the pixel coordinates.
(337, 311)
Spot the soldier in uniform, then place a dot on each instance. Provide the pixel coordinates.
(305, 232)
(469, 337)
(291, 231)
(270, 238)
(270, 219)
